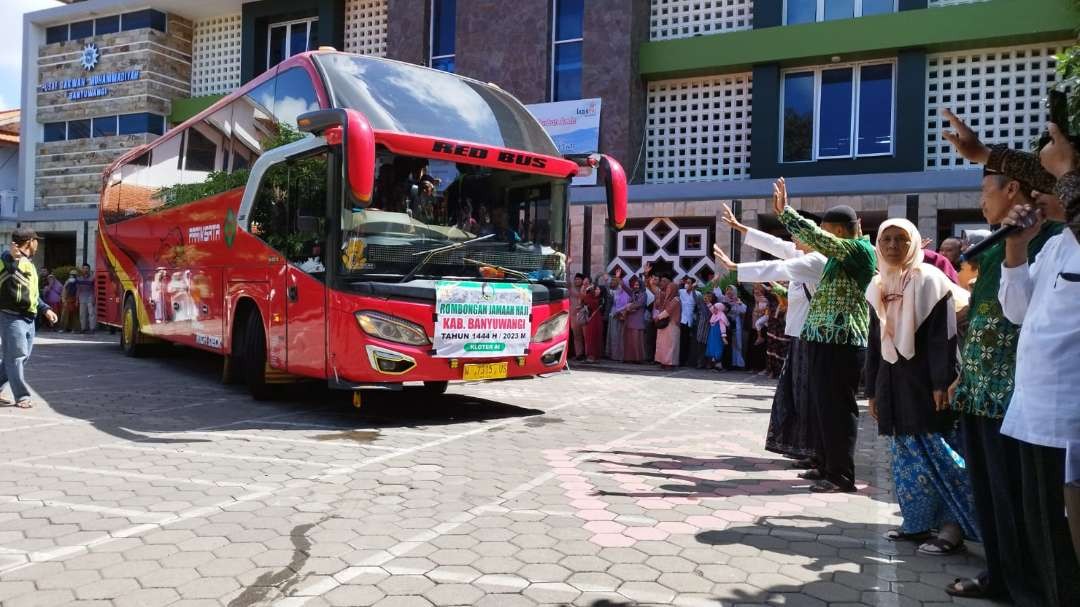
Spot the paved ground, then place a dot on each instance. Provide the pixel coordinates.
(146, 482)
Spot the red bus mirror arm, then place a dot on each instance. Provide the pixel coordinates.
(613, 178)
(359, 140)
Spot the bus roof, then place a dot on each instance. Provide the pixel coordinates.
(401, 98)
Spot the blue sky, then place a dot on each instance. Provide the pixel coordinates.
(11, 22)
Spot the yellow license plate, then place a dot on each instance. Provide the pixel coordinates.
(484, 371)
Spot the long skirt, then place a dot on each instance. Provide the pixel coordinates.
(736, 331)
(714, 348)
(633, 345)
(790, 431)
(932, 484)
(776, 349)
(615, 338)
(667, 345)
(594, 337)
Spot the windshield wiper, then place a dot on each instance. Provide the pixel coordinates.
(515, 273)
(429, 254)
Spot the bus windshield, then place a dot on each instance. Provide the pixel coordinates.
(421, 204)
(404, 98)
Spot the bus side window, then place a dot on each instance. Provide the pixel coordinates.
(289, 212)
(253, 124)
(294, 95)
(136, 193)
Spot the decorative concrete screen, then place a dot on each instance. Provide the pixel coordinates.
(365, 27)
(698, 129)
(935, 3)
(215, 56)
(999, 92)
(686, 18)
(683, 243)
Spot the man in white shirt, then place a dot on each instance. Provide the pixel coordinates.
(1042, 297)
(790, 432)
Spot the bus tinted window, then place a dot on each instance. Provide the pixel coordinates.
(289, 213)
(200, 154)
(409, 99)
(294, 95)
(253, 121)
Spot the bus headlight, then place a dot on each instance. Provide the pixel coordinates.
(551, 327)
(390, 328)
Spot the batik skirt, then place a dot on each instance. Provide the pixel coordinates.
(932, 485)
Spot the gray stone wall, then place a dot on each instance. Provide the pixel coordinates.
(408, 27)
(507, 44)
(614, 32)
(68, 174)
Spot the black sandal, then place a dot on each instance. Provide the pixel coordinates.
(943, 547)
(811, 475)
(830, 487)
(970, 588)
(896, 535)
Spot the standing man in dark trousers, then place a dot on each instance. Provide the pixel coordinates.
(1025, 564)
(835, 330)
(20, 303)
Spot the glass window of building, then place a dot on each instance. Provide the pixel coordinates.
(443, 31)
(81, 29)
(138, 124)
(809, 11)
(567, 40)
(142, 19)
(78, 129)
(838, 112)
(105, 126)
(56, 33)
(55, 131)
(290, 38)
(107, 25)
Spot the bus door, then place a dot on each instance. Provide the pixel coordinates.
(305, 278)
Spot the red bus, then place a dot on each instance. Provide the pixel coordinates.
(361, 221)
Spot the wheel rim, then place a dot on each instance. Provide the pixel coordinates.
(128, 329)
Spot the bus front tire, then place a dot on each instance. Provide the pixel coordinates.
(130, 335)
(436, 388)
(253, 359)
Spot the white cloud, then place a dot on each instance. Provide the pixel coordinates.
(11, 24)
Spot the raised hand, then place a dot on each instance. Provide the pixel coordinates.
(729, 218)
(964, 139)
(780, 195)
(926, 242)
(723, 259)
(1026, 217)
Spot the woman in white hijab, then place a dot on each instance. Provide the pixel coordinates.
(911, 361)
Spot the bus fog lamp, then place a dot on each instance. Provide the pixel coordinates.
(390, 328)
(553, 355)
(551, 328)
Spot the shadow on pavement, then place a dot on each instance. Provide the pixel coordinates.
(179, 390)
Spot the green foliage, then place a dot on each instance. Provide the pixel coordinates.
(62, 272)
(1068, 69)
(215, 183)
(221, 181)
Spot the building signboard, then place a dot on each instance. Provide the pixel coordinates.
(574, 126)
(89, 87)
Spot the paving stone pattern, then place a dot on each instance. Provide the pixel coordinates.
(146, 482)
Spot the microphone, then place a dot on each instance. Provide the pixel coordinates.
(995, 237)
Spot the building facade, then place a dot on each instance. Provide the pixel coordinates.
(705, 102)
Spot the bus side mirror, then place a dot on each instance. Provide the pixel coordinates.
(613, 178)
(358, 139)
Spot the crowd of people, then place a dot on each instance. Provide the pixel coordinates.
(656, 317)
(966, 362)
(73, 297)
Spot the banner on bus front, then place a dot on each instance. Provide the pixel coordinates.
(481, 319)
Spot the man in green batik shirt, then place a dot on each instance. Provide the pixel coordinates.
(835, 331)
(1024, 534)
